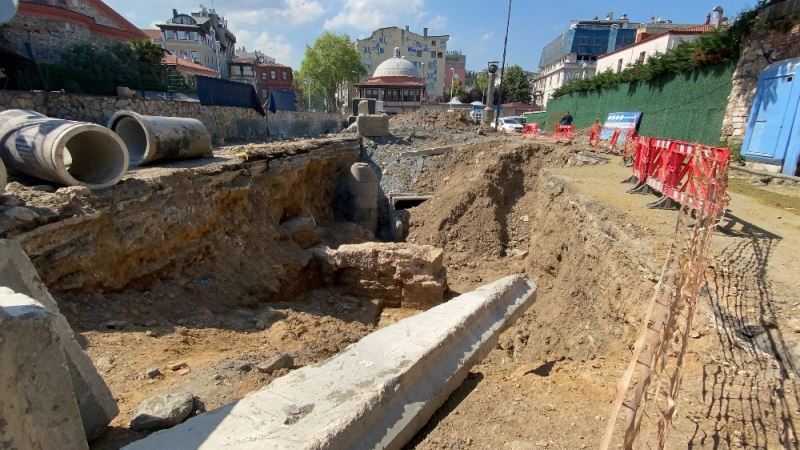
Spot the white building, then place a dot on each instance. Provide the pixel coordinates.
(426, 52)
(638, 52)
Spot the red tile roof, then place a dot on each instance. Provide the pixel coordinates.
(152, 34)
(172, 60)
(694, 29)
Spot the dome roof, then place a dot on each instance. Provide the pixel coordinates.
(396, 67)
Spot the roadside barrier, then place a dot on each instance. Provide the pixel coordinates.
(565, 133)
(531, 129)
(682, 172)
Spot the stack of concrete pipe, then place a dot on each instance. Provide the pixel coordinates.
(153, 138)
(85, 154)
(61, 151)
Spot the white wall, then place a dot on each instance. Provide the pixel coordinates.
(651, 47)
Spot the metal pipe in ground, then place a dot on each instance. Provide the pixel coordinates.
(61, 151)
(151, 138)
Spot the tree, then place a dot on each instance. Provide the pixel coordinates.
(482, 82)
(148, 52)
(457, 89)
(516, 86)
(330, 63)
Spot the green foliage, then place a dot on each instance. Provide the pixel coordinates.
(88, 69)
(148, 52)
(516, 86)
(482, 82)
(712, 48)
(330, 63)
(457, 89)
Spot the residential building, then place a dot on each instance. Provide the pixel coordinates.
(201, 37)
(274, 78)
(455, 66)
(649, 45)
(188, 69)
(398, 83)
(425, 52)
(154, 35)
(41, 29)
(574, 53)
(243, 70)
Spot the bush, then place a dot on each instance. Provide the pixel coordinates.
(712, 48)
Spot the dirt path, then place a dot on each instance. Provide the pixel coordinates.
(542, 388)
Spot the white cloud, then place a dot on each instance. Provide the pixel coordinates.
(368, 15)
(293, 12)
(277, 47)
(438, 23)
(487, 36)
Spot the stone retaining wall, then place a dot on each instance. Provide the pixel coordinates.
(226, 124)
(763, 46)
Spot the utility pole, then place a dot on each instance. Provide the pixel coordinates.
(505, 47)
(488, 110)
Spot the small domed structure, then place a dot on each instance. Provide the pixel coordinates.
(397, 83)
(396, 67)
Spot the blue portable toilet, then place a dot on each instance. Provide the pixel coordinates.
(773, 127)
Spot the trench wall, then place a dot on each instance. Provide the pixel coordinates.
(216, 228)
(226, 124)
(679, 106)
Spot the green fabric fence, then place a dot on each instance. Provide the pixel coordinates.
(678, 106)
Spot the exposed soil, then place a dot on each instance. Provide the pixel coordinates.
(595, 252)
(191, 285)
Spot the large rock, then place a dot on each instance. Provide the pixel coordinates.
(163, 411)
(373, 125)
(303, 231)
(97, 405)
(403, 275)
(38, 408)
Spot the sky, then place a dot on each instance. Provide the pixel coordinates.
(283, 28)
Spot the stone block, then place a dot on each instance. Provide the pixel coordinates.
(402, 274)
(373, 125)
(378, 393)
(303, 231)
(97, 405)
(38, 408)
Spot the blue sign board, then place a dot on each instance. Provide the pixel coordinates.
(623, 121)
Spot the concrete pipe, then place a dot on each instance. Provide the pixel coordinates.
(61, 151)
(150, 138)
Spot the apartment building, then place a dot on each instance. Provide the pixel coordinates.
(201, 37)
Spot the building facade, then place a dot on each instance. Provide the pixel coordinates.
(574, 53)
(425, 52)
(188, 69)
(42, 28)
(398, 83)
(272, 77)
(650, 45)
(455, 66)
(201, 37)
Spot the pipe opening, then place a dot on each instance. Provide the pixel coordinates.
(93, 157)
(133, 135)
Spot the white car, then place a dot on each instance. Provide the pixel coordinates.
(509, 125)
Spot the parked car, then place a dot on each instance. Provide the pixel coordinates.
(509, 125)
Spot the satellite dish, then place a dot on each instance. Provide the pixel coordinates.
(7, 9)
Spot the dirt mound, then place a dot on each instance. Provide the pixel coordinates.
(457, 120)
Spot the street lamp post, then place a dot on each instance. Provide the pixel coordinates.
(488, 111)
(452, 81)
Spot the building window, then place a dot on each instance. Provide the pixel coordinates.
(284, 76)
(247, 71)
(381, 50)
(182, 35)
(433, 54)
(371, 93)
(433, 43)
(193, 35)
(236, 70)
(195, 56)
(619, 65)
(170, 34)
(272, 74)
(440, 54)
(419, 53)
(263, 75)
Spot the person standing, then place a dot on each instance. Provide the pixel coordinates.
(566, 119)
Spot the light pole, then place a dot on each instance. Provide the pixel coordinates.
(505, 47)
(452, 81)
(488, 111)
